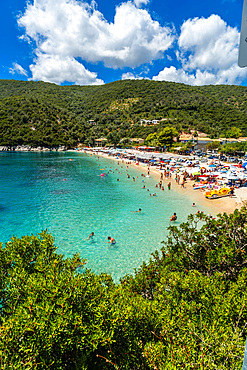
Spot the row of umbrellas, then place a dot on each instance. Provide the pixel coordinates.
(181, 163)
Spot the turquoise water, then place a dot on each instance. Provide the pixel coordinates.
(71, 199)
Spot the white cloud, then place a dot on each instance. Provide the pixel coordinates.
(230, 76)
(208, 52)
(56, 69)
(65, 31)
(211, 42)
(75, 29)
(139, 3)
(131, 76)
(18, 69)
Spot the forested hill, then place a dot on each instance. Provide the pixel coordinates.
(40, 113)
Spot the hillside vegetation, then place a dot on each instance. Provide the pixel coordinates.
(39, 113)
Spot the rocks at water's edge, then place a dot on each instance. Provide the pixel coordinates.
(29, 148)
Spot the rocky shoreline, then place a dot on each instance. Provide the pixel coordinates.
(29, 148)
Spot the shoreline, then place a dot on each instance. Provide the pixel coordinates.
(217, 206)
(221, 205)
(29, 148)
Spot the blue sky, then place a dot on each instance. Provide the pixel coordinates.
(88, 43)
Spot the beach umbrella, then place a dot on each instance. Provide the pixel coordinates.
(244, 164)
(232, 176)
(196, 173)
(242, 176)
(223, 175)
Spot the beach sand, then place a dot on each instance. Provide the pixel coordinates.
(216, 206)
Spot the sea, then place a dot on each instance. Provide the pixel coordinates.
(66, 194)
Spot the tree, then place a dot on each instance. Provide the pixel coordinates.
(185, 308)
(151, 139)
(113, 137)
(54, 314)
(234, 132)
(166, 136)
(213, 145)
(219, 245)
(198, 281)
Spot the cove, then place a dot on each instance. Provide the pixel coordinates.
(66, 194)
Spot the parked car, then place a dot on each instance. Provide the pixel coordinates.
(233, 160)
(212, 157)
(223, 158)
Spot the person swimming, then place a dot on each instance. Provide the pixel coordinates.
(139, 210)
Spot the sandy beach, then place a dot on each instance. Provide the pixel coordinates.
(217, 206)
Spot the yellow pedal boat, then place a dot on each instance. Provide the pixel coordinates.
(217, 193)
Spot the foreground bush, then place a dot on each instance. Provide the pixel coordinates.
(186, 308)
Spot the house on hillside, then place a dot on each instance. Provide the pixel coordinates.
(137, 140)
(101, 142)
(91, 122)
(145, 122)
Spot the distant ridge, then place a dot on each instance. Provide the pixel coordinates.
(45, 114)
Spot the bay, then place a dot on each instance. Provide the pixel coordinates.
(66, 194)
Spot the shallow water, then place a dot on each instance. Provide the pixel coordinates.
(65, 193)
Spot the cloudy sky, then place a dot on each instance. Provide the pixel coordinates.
(90, 43)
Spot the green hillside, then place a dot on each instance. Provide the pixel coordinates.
(39, 113)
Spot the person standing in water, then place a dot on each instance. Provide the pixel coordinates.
(111, 240)
(174, 217)
(90, 236)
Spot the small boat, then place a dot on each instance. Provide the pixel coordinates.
(200, 186)
(217, 193)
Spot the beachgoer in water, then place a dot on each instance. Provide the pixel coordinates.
(91, 236)
(139, 210)
(111, 240)
(193, 204)
(169, 185)
(174, 217)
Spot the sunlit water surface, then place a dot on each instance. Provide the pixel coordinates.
(66, 194)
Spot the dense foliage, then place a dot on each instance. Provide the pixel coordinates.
(39, 113)
(186, 308)
(233, 148)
